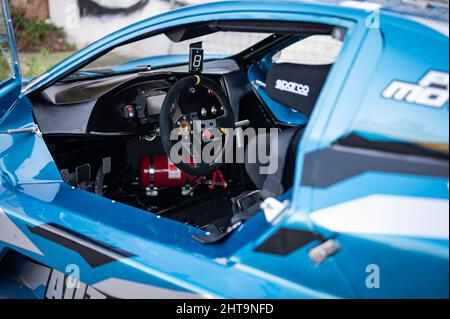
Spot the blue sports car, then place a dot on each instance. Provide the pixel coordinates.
(107, 189)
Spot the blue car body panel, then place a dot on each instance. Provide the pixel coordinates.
(149, 257)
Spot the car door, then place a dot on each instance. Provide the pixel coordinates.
(10, 78)
(379, 179)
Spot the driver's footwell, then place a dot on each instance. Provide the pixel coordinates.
(214, 209)
(206, 208)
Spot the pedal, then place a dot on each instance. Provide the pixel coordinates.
(106, 165)
(83, 175)
(68, 178)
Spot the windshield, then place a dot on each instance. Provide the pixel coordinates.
(149, 51)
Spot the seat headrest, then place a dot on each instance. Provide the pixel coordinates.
(296, 85)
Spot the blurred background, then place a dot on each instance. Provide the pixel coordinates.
(47, 31)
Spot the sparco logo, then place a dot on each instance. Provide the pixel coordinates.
(292, 87)
(432, 90)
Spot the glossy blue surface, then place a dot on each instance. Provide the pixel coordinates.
(9, 289)
(32, 193)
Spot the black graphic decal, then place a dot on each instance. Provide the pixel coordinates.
(94, 252)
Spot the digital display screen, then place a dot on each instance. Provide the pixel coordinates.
(154, 104)
(196, 60)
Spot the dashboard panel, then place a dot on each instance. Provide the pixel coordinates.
(136, 107)
(125, 104)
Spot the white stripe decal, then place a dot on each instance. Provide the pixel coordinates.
(11, 234)
(367, 5)
(388, 215)
(125, 289)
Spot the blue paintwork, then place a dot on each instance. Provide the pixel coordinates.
(9, 289)
(32, 193)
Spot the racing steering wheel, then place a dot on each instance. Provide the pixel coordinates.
(196, 117)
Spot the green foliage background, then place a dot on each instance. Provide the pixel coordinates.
(41, 45)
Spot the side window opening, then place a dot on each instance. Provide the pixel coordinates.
(218, 44)
(315, 50)
(299, 72)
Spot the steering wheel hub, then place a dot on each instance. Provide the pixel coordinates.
(185, 128)
(204, 116)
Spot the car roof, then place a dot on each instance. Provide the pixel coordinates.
(435, 19)
(435, 10)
